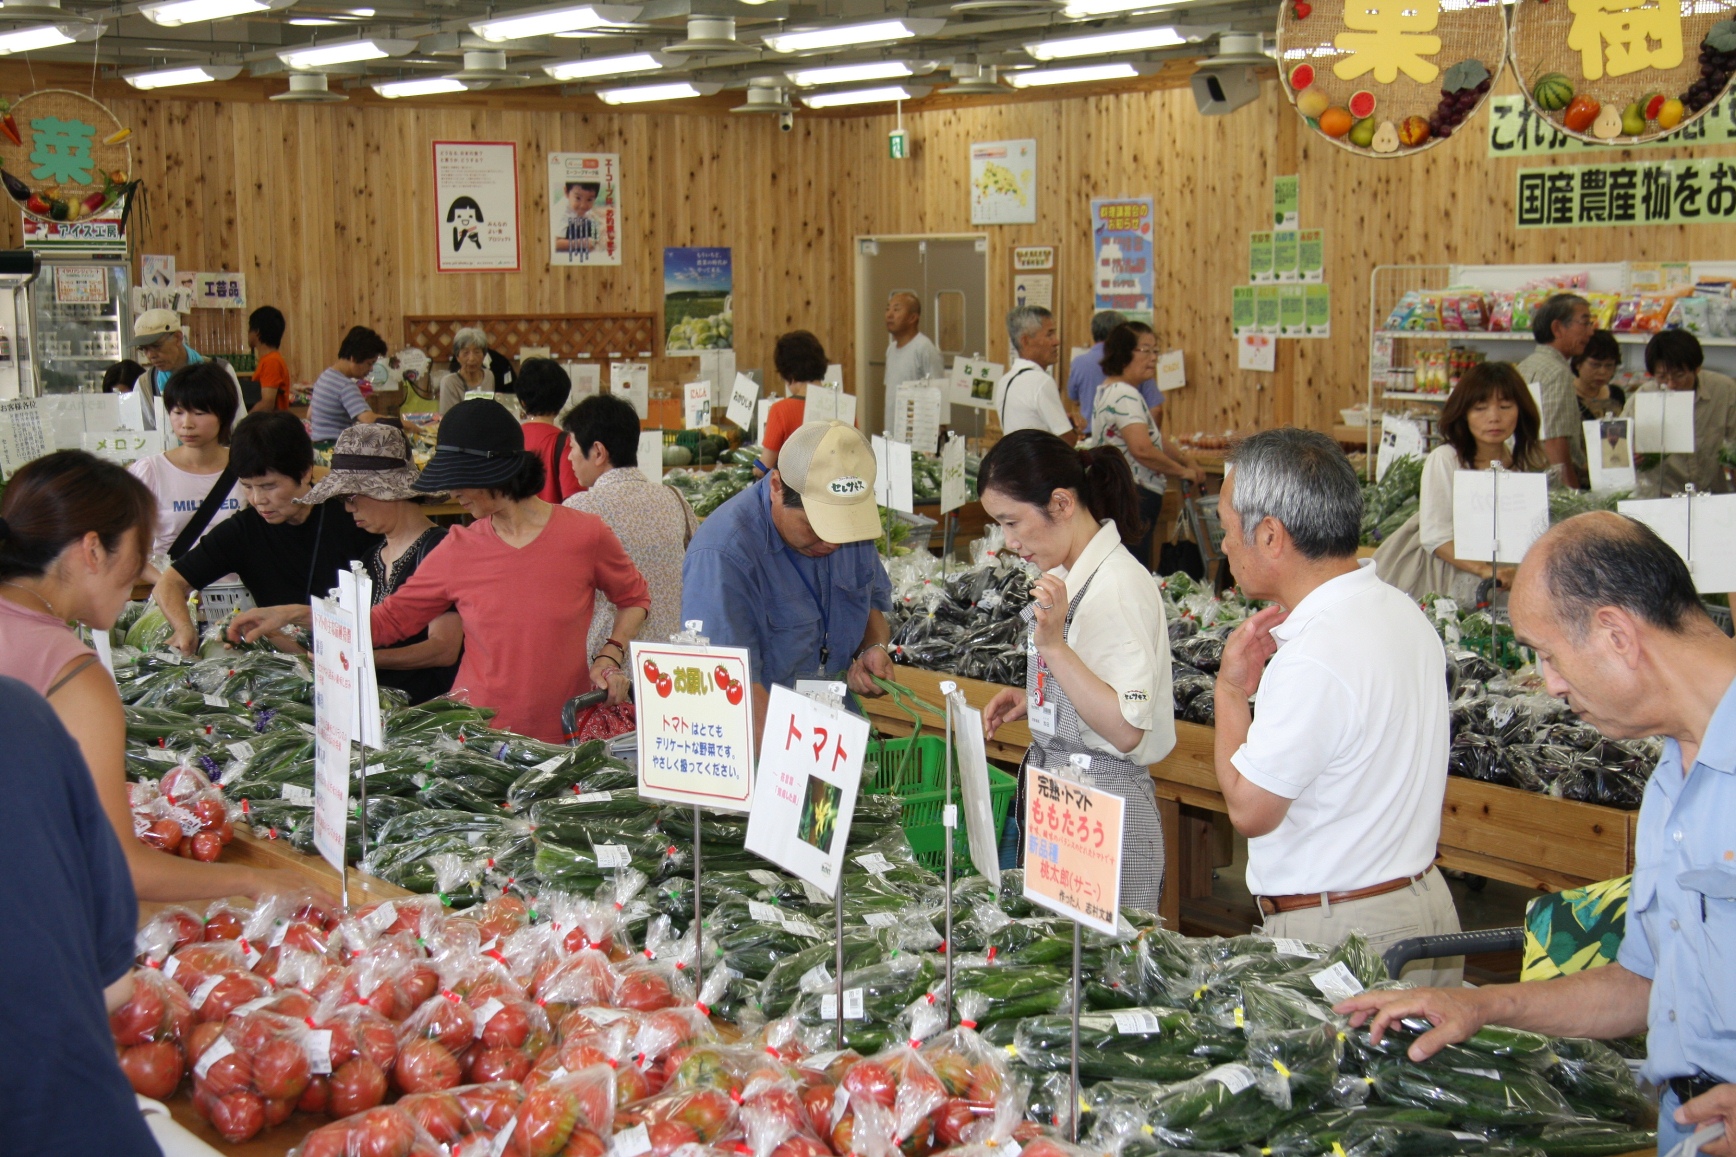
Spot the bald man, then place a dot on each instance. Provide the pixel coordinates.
(1620, 633)
(910, 356)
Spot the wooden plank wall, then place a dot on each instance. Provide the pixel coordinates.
(328, 209)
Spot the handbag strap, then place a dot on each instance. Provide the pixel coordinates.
(202, 517)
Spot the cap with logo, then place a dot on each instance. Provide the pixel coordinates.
(831, 465)
(154, 325)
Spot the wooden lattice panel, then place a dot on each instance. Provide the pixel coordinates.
(568, 337)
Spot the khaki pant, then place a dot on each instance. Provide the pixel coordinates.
(1423, 909)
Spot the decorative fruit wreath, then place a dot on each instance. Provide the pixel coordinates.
(65, 157)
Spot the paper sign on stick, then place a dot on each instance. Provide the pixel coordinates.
(1073, 849)
(1399, 438)
(973, 781)
(742, 396)
(651, 454)
(954, 488)
(356, 595)
(892, 479)
(1700, 528)
(822, 402)
(695, 708)
(1609, 453)
(1664, 422)
(696, 405)
(632, 380)
(809, 770)
(1171, 372)
(334, 704)
(1496, 519)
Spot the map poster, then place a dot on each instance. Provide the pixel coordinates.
(1003, 183)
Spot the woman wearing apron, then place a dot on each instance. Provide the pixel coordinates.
(1097, 679)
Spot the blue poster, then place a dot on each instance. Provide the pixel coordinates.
(1121, 241)
(698, 312)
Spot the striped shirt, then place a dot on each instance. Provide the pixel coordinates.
(337, 403)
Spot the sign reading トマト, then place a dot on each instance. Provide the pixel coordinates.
(695, 707)
(810, 770)
(1073, 849)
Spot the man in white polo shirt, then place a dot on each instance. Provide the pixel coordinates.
(1027, 398)
(1338, 780)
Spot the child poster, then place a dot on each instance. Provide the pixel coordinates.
(476, 205)
(1121, 241)
(697, 311)
(584, 209)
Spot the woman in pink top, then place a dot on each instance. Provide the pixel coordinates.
(523, 578)
(74, 532)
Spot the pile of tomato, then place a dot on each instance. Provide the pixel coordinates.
(182, 814)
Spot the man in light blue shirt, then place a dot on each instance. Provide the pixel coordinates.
(1621, 635)
(788, 568)
(1085, 373)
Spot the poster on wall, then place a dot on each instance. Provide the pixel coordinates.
(1003, 183)
(476, 205)
(697, 313)
(584, 209)
(1121, 242)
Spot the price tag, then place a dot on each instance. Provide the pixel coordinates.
(840, 1101)
(241, 750)
(1337, 983)
(764, 913)
(604, 1016)
(171, 966)
(160, 755)
(249, 953)
(317, 1045)
(613, 856)
(816, 978)
(380, 918)
(486, 1013)
(634, 1142)
(1129, 1021)
(803, 928)
(880, 919)
(814, 895)
(203, 992)
(1289, 946)
(594, 796)
(550, 764)
(1235, 1078)
(253, 1005)
(1486, 1074)
(765, 878)
(216, 701)
(852, 1006)
(219, 1049)
(504, 1137)
(819, 1062)
(295, 793)
(279, 929)
(876, 863)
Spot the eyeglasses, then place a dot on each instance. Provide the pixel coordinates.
(1146, 349)
(1675, 375)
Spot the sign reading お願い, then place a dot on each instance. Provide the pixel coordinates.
(1623, 72)
(66, 161)
(1386, 79)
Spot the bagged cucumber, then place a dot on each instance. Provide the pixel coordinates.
(1461, 1083)
(1599, 1140)
(1597, 1081)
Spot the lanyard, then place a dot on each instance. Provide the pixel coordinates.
(825, 619)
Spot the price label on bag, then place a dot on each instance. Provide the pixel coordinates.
(1136, 1020)
(1288, 946)
(853, 1007)
(1235, 1078)
(219, 1049)
(634, 1142)
(317, 1045)
(763, 913)
(613, 856)
(1337, 983)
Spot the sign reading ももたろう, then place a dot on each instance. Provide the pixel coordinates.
(1073, 849)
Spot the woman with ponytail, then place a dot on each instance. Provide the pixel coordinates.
(75, 533)
(1097, 677)
(523, 578)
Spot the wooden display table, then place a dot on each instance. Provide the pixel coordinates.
(1520, 837)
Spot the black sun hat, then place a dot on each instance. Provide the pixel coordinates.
(479, 446)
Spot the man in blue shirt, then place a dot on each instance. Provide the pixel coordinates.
(1621, 635)
(158, 338)
(1085, 373)
(788, 568)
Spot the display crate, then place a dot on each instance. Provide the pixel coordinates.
(919, 783)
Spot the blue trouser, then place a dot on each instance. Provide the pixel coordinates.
(1670, 1134)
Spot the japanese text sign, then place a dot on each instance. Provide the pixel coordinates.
(1687, 191)
(695, 724)
(1073, 849)
(334, 704)
(696, 405)
(810, 769)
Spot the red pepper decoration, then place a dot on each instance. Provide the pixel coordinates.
(1303, 9)
(10, 128)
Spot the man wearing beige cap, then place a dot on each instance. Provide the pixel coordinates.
(157, 335)
(788, 568)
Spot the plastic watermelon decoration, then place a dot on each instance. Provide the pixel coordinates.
(1362, 104)
(1553, 92)
(1301, 77)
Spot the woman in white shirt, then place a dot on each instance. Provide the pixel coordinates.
(1489, 417)
(1097, 679)
(1120, 418)
(202, 403)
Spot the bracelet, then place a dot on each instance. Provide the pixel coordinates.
(595, 659)
(871, 646)
(621, 647)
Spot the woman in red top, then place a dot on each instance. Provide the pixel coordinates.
(523, 578)
(800, 360)
(543, 389)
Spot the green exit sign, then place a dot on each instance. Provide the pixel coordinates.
(898, 145)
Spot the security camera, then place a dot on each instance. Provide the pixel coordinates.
(786, 122)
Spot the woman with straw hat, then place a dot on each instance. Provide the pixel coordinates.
(372, 472)
(524, 577)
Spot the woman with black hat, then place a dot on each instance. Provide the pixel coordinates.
(523, 576)
(373, 473)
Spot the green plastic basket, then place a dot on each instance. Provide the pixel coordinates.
(921, 790)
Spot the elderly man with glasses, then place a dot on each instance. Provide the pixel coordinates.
(1675, 362)
(1561, 326)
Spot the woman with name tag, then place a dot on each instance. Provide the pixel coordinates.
(1097, 679)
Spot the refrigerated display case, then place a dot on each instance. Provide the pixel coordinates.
(18, 270)
(81, 321)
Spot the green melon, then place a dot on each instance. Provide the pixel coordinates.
(1553, 93)
(677, 456)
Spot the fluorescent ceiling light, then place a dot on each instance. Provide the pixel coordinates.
(313, 22)
(849, 73)
(1121, 40)
(1079, 75)
(343, 52)
(858, 96)
(190, 74)
(30, 39)
(877, 32)
(174, 13)
(422, 86)
(639, 94)
(551, 21)
(1080, 9)
(603, 66)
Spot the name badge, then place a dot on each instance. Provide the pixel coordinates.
(1040, 716)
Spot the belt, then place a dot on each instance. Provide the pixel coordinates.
(1687, 1088)
(1273, 905)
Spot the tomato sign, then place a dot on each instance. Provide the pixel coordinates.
(695, 724)
(1073, 849)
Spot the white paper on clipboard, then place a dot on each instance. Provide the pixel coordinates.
(1664, 422)
(1514, 507)
(973, 781)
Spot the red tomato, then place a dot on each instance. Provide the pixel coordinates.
(817, 1100)
(780, 1102)
(665, 685)
(643, 991)
(232, 1074)
(356, 1086)
(278, 1110)
(584, 1143)
(545, 1122)
(294, 1004)
(210, 812)
(721, 677)
(231, 992)
(201, 1038)
(439, 1114)
(280, 1070)
(207, 846)
(377, 1043)
(223, 926)
(801, 1145)
(421, 983)
(507, 1029)
(153, 1068)
(668, 1136)
(316, 1096)
(503, 915)
(328, 1141)
(225, 833)
(141, 1018)
(238, 1117)
(951, 1121)
(870, 1081)
(188, 928)
(708, 1111)
(487, 1064)
(843, 1134)
(490, 1106)
(382, 1133)
(425, 1066)
(450, 1023)
(631, 1084)
(164, 835)
(733, 693)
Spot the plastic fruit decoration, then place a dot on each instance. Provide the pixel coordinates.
(1362, 133)
(1633, 119)
(1671, 113)
(1312, 103)
(1336, 122)
(1581, 113)
(1552, 92)
(1413, 132)
(1462, 88)
(1362, 104)
(1386, 138)
(1608, 124)
(1301, 77)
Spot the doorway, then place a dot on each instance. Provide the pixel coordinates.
(948, 273)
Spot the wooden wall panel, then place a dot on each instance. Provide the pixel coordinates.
(328, 209)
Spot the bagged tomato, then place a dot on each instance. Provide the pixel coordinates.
(972, 1072)
(774, 1119)
(665, 1033)
(433, 1043)
(253, 1072)
(511, 1035)
(676, 1117)
(215, 977)
(891, 1096)
(392, 978)
(419, 916)
(226, 920)
(583, 980)
(454, 1114)
(572, 1114)
(388, 1131)
(167, 932)
(149, 1029)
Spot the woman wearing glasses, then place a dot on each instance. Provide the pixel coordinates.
(1119, 418)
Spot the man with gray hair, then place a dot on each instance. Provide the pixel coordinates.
(1561, 327)
(1622, 636)
(1026, 397)
(1338, 782)
(910, 355)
